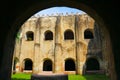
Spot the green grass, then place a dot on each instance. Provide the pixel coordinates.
(76, 77)
(88, 77)
(23, 76)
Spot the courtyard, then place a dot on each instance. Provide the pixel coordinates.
(24, 76)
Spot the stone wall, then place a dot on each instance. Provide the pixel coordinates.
(58, 50)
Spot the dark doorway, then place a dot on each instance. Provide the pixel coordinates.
(48, 35)
(47, 65)
(68, 35)
(69, 65)
(92, 64)
(88, 34)
(28, 64)
(30, 36)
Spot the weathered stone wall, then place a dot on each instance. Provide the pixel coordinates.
(58, 50)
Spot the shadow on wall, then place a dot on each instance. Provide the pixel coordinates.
(97, 57)
(94, 57)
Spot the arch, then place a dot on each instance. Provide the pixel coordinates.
(30, 36)
(47, 65)
(28, 64)
(48, 35)
(88, 34)
(35, 6)
(69, 64)
(68, 35)
(92, 64)
(16, 60)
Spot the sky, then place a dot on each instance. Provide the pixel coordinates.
(59, 10)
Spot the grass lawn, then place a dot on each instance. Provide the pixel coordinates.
(23, 76)
(88, 77)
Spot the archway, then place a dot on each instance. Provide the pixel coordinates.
(68, 35)
(15, 65)
(29, 36)
(88, 34)
(69, 65)
(92, 64)
(48, 35)
(28, 64)
(29, 10)
(47, 65)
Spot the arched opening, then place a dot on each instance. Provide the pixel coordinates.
(28, 64)
(30, 36)
(47, 65)
(15, 65)
(69, 65)
(68, 35)
(48, 35)
(25, 16)
(92, 64)
(88, 34)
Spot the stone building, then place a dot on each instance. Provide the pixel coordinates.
(69, 44)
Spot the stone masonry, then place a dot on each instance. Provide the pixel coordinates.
(52, 41)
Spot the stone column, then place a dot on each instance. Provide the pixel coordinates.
(58, 51)
(36, 48)
(80, 57)
(80, 46)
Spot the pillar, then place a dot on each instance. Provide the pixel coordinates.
(36, 48)
(80, 46)
(58, 50)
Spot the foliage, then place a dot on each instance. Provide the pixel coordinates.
(18, 35)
